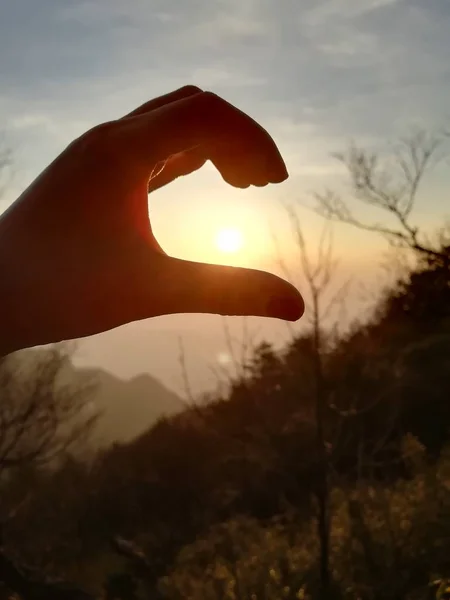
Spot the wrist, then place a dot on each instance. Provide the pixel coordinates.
(12, 305)
(9, 331)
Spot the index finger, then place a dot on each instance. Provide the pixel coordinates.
(184, 92)
(241, 149)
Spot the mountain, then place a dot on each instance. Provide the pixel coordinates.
(127, 407)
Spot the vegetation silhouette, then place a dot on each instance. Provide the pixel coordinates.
(226, 499)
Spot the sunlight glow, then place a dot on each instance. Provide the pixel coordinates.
(229, 240)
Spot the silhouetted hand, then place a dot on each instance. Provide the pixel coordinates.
(77, 252)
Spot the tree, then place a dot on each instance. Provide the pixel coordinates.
(390, 186)
(41, 417)
(319, 276)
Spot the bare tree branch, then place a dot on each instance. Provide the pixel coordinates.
(319, 274)
(40, 417)
(393, 189)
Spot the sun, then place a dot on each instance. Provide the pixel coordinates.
(229, 240)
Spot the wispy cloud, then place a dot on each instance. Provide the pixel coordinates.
(345, 9)
(335, 68)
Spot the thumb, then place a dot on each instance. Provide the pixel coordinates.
(191, 287)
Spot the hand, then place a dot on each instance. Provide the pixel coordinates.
(77, 252)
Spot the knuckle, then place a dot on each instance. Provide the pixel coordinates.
(212, 102)
(98, 139)
(211, 97)
(99, 133)
(191, 89)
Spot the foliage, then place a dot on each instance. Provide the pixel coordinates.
(220, 501)
(387, 542)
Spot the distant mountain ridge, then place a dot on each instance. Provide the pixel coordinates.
(128, 407)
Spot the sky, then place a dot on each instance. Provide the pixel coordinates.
(315, 73)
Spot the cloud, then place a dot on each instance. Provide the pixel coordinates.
(338, 69)
(315, 73)
(344, 9)
(213, 77)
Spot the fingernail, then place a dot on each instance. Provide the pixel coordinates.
(287, 308)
